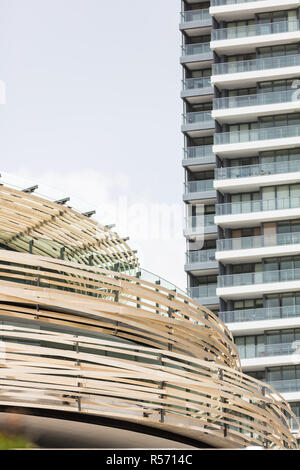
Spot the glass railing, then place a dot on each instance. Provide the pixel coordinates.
(200, 292)
(257, 206)
(284, 96)
(261, 277)
(195, 15)
(260, 241)
(257, 29)
(198, 152)
(260, 314)
(197, 224)
(209, 220)
(265, 350)
(196, 83)
(253, 135)
(201, 117)
(217, 3)
(200, 256)
(154, 279)
(256, 64)
(199, 48)
(285, 386)
(199, 186)
(261, 169)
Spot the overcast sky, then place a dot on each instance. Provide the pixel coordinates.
(93, 111)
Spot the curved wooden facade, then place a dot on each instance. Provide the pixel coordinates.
(94, 341)
(30, 223)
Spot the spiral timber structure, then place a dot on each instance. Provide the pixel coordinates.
(86, 337)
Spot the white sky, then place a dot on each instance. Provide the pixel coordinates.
(93, 110)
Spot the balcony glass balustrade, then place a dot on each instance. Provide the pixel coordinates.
(261, 169)
(257, 29)
(216, 3)
(195, 15)
(260, 314)
(193, 49)
(252, 135)
(198, 117)
(261, 241)
(265, 350)
(197, 222)
(260, 99)
(261, 277)
(196, 83)
(197, 152)
(200, 256)
(257, 206)
(285, 386)
(256, 64)
(199, 186)
(203, 291)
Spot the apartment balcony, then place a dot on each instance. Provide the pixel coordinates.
(256, 140)
(230, 10)
(242, 108)
(252, 249)
(247, 38)
(198, 123)
(261, 315)
(199, 225)
(199, 158)
(267, 350)
(249, 213)
(196, 56)
(247, 73)
(268, 355)
(196, 90)
(201, 260)
(205, 294)
(199, 191)
(252, 177)
(195, 22)
(290, 389)
(258, 320)
(255, 284)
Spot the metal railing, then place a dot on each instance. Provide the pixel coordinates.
(261, 277)
(196, 83)
(199, 186)
(198, 152)
(192, 49)
(252, 135)
(200, 256)
(260, 169)
(259, 314)
(284, 96)
(256, 64)
(195, 15)
(257, 29)
(198, 116)
(260, 241)
(257, 206)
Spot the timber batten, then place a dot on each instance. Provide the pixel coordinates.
(81, 337)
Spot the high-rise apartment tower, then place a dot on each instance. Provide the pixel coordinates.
(241, 126)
